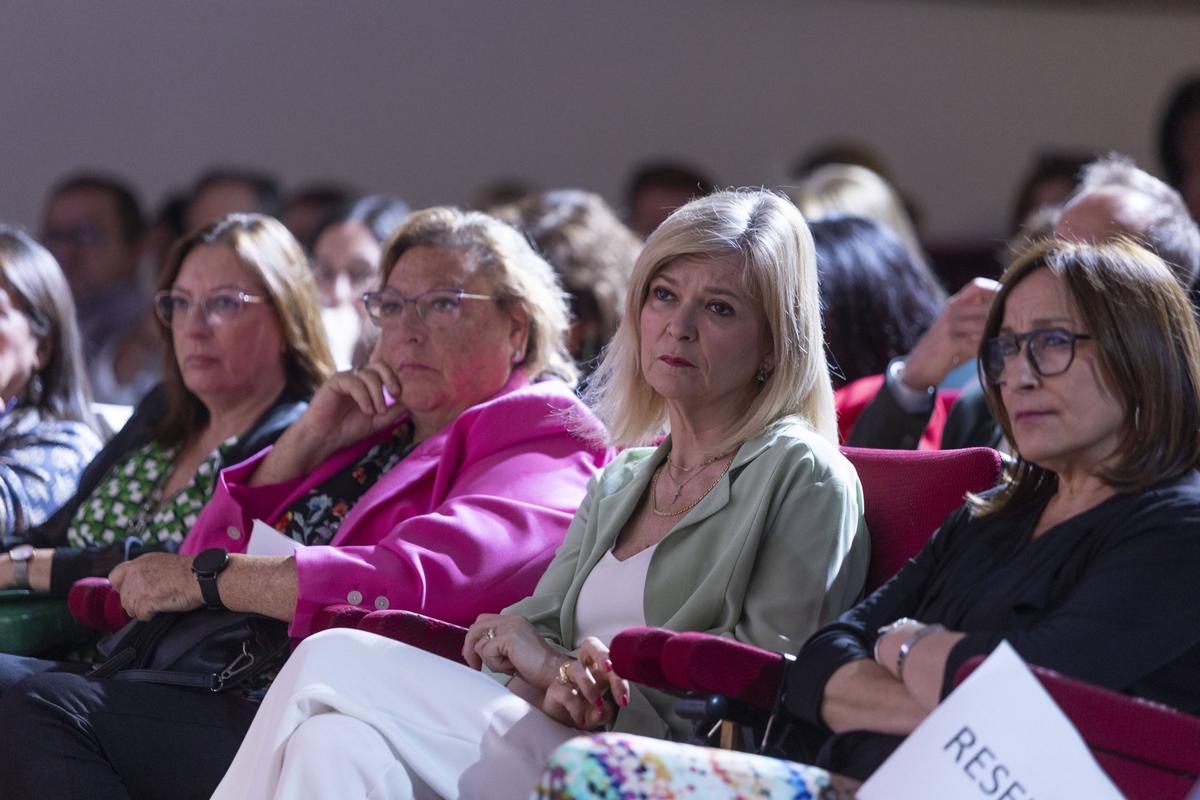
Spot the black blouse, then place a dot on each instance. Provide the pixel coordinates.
(1110, 596)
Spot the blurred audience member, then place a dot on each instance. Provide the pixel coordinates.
(93, 225)
(129, 365)
(850, 189)
(501, 192)
(659, 187)
(1051, 180)
(47, 429)
(1179, 142)
(593, 253)
(309, 206)
(840, 151)
(1114, 198)
(346, 250)
(876, 302)
(229, 190)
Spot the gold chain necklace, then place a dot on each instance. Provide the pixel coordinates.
(690, 506)
(672, 465)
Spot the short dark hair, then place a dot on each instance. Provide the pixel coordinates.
(1184, 100)
(668, 175)
(267, 194)
(381, 214)
(1142, 326)
(125, 201)
(866, 273)
(1048, 166)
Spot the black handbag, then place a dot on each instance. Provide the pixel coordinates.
(219, 651)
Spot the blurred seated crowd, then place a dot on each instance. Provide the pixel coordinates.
(542, 421)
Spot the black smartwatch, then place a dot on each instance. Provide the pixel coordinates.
(207, 566)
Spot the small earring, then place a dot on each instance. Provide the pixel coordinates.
(761, 376)
(517, 358)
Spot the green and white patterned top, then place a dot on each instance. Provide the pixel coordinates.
(129, 502)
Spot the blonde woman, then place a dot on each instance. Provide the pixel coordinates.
(745, 521)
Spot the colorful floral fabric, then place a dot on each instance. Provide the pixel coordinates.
(615, 766)
(314, 518)
(129, 502)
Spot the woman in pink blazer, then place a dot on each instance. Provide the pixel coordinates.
(439, 478)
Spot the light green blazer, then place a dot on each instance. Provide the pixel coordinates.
(777, 549)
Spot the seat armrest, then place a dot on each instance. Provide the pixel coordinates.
(636, 654)
(95, 604)
(701, 662)
(432, 635)
(339, 616)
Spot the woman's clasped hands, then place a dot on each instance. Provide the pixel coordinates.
(581, 691)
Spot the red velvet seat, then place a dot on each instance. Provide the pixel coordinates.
(906, 495)
(1150, 751)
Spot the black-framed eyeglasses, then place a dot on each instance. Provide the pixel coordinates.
(219, 305)
(1050, 352)
(436, 307)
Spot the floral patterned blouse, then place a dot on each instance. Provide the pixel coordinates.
(314, 518)
(129, 502)
(41, 459)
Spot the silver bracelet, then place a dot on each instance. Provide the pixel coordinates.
(912, 641)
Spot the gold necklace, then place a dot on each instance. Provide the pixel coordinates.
(701, 465)
(654, 494)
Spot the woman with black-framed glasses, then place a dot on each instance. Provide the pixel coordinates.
(1085, 557)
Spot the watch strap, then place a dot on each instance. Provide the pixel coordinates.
(912, 642)
(21, 574)
(208, 590)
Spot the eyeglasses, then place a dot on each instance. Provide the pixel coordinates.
(220, 305)
(436, 307)
(1050, 352)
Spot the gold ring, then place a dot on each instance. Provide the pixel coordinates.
(491, 633)
(562, 673)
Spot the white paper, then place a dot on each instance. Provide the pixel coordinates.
(998, 735)
(266, 541)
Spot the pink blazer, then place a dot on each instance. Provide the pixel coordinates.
(466, 523)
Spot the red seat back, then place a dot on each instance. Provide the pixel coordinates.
(1150, 751)
(907, 494)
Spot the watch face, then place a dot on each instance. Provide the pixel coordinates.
(211, 561)
(22, 552)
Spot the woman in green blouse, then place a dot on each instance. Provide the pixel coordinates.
(245, 350)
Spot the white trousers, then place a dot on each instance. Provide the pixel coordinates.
(357, 715)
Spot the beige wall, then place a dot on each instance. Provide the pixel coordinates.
(431, 99)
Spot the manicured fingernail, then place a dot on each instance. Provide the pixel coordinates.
(624, 700)
(599, 702)
(608, 665)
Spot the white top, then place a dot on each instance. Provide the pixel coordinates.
(612, 597)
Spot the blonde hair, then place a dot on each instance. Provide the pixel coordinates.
(857, 191)
(269, 251)
(519, 276)
(770, 238)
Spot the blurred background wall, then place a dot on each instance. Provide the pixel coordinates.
(431, 100)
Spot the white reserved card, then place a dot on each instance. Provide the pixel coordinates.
(266, 541)
(998, 736)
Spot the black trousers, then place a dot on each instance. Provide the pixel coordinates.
(65, 736)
